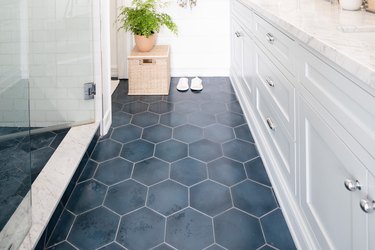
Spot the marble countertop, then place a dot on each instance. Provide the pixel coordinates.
(345, 37)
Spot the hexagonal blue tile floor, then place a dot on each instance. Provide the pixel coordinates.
(176, 172)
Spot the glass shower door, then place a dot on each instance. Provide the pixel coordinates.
(15, 160)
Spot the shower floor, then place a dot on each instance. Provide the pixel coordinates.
(15, 165)
(174, 172)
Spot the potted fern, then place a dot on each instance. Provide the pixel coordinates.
(144, 20)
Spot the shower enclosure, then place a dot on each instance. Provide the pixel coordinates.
(47, 52)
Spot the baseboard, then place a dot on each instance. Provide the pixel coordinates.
(191, 72)
(114, 71)
(298, 226)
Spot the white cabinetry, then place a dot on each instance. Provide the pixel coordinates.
(315, 129)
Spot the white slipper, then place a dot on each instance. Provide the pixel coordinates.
(196, 84)
(183, 84)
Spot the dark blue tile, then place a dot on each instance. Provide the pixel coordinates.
(188, 133)
(113, 171)
(224, 97)
(53, 220)
(161, 107)
(88, 171)
(226, 171)
(215, 247)
(157, 133)
(151, 98)
(145, 119)
(210, 198)
(188, 171)
(94, 229)
(267, 247)
(253, 198)
(167, 197)
(237, 230)
(205, 150)
(62, 228)
(189, 229)
(39, 158)
(243, 133)
(137, 150)
(135, 107)
(126, 133)
(201, 119)
(255, 171)
(173, 119)
(163, 247)
(85, 196)
(231, 119)
(106, 150)
(106, 136)
(120, 119)
(9, 144)
(187, 107)
(112, 246)
(240, 150)
(218, 133)
(235, 107)
(93, 143)
(213, 108)
(125, 197)
(62, 246)
(276, 231)
(116, 107)
(151, 171)
(58, 139)
(171, 150)
(123, 98)
(141, 230)
(41, 140)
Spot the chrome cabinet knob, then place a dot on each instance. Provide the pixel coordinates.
(367, 205)
(270, 82)
(270, 38)
(270, 124)
(352, 185)
(238, 34)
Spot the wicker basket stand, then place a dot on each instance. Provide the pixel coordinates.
(149, 72)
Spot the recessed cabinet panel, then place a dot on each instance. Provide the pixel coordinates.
(351, 106)
(279, 139)
(277, 86)
(237, 47)
(332, 211)
(248, 65)
(280, 45)
(244, 14)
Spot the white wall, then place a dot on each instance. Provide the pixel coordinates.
(202, 47)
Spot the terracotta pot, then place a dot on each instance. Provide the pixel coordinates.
(145, 44)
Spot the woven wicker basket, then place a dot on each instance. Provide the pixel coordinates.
(149, 72)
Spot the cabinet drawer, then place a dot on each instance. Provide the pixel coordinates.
(244, 14)
(280, 90)
(279, 44)
(349, 104)
(332, 211)
(281, 143)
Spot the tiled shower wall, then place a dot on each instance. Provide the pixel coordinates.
(61, 60)
(56, 55)
(13, 90)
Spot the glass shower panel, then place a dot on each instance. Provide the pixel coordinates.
(61, 61)
(15, 161)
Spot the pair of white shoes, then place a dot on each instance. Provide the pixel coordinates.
(183, 84)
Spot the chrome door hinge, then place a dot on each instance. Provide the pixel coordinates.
(89, 90)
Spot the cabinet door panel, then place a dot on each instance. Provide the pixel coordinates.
(237, 47)
(325, 161)
(248, 64)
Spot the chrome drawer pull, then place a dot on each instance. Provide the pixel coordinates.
(367, 205)
(270, 124)
(270, 38)
(270, 82)
(352, 185)
(238, 34)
